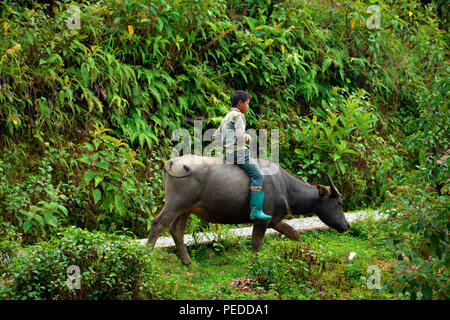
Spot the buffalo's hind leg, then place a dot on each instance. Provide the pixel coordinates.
(177, 231)
(162, 222)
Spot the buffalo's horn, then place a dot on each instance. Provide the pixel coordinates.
(334, 190)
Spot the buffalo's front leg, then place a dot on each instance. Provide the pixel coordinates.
(287, 230)
(177, 231)
(259, 229)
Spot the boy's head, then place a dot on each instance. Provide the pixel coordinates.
(240, 99)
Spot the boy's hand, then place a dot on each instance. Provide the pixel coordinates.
(248, 137)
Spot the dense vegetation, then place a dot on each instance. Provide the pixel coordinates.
(86, 115)
(319, 268)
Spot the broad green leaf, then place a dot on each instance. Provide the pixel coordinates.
(97, 195)
(39, 219)
(139, 163)
(27, 225)
(88, 175)
(98, 179)
(251, 22)
(118, 202)
(349, 151)
(326, 63)
(341, 167)
(269, 42)
(50, 218)
(52, 59)
(63, 209)
(89, 146)
(102, 164)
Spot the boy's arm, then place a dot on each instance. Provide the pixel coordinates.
(239, 128)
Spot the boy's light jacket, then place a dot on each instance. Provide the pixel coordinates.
(231, 133)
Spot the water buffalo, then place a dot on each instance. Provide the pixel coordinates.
(219, 193)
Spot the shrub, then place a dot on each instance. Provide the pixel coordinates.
(30, 197)
(282, 266)
(362, 230)
(340, 139)
(108, 191)
(416, 234)
(9, 244)
(110, 266)
(147, 68)
(99, 183)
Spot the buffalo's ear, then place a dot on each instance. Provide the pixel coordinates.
(324, 191)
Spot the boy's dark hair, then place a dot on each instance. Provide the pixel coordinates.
(239, 95)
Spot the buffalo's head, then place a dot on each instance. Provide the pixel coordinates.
(329, 208)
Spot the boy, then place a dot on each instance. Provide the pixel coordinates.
(232, 135)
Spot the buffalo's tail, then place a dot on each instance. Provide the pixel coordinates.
(168, 168)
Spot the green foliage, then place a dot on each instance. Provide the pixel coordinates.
(135, 129)
(335, 132)
(364, 104)
(282, 267)
(341, 140)
(181, 61)
(416, 234)
(10, 244)
(428, 131)
(111, 267)
(109, 177)
(115, 188)
(99, 183)
(222, 239)
(74, 77)
(32, 200)
(230, 274)
(151, 67)
(361, 230)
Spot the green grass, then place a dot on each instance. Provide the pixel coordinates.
(215, 266)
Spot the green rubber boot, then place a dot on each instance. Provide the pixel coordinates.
(256, 203)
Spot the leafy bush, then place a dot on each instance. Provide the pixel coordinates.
(282, 266)
(109, 192)
(30, 193)
(151, 66)
(361, 103)
(341, 140)
(147, 68)
(10, 244)
(111, 266)
(363, 230)
(416, 234)
(96, 184)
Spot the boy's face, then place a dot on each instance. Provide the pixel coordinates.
(243, 106)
